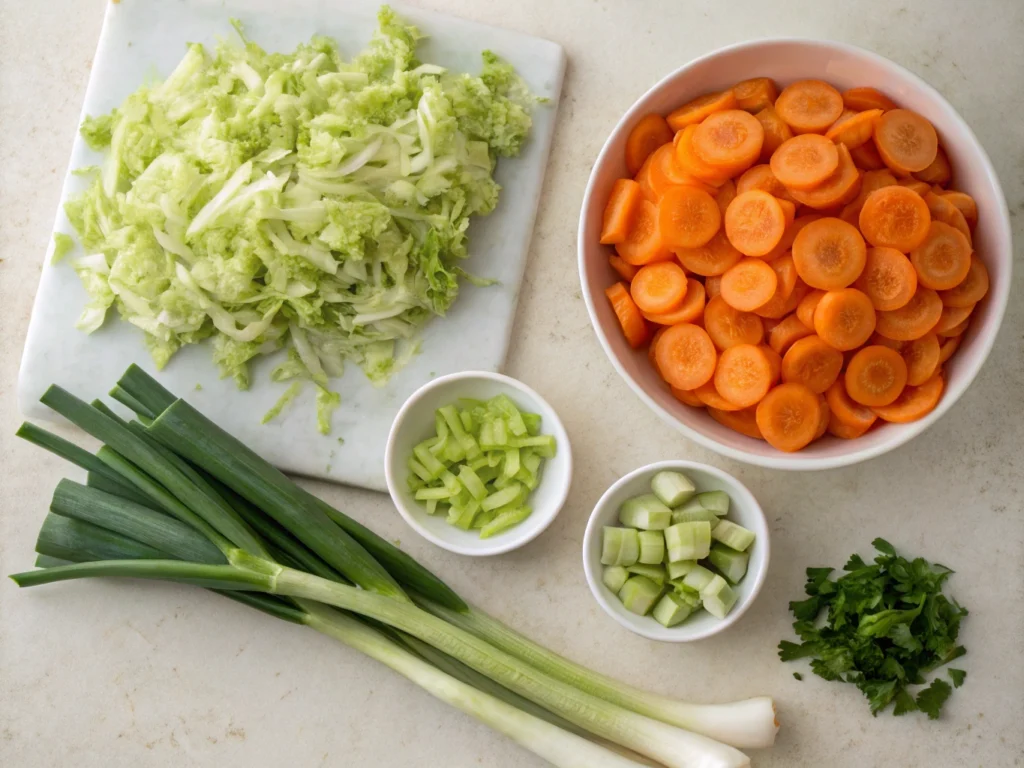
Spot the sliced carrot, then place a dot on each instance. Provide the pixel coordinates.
(876, 375)
(712, 258)
(775, 360)
(805, 309)
(845, 318)
(643, 179)
(743, 421)
(647, 135)
(809, 106)
(730, 139)
(889, 279)
(920, 187)
(711, 397)
(906, 141)
(971, 289)
(692, 164)
(686, 356)
(914, 402)
(804, 161)
(943, 260)
(837, 429)
(838, 189)
(659, 288)
(665, 172)
(957, 330)
(788, 416)
(713, 285)
(728, 326)
(845, 409)
(652, 349)
(870, 181)
(850, 214)
(743, 375)
(687, 396)
(862, 98)
(913, 320)
(755, 223)
(895, 217)
(921, 355)
(786, 333)
(775, 132)
(947, 346)
(755, 94)
(965, 203)
(775, 310)
(855, 129)
(632, 322)
(866, 157)
(749, 284)
(785, 272)
(812, 362)
(726, 194)
(938, 189)
(786, 243)
(688, 217)
(939, 172)
(761, 177)
(943, 210)
(824, 417)
(643, 243)
(690, 311)
(626, 271)
(619, 211)
(788, 210)
(829, 254)
(695, 111)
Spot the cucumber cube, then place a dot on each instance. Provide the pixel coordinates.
(698, 578)
(694, 515)
(619, 546)
(652, 547)
(655, 573)
(680, 568)
(645, 512)
(670, 610)
(714, 501)
(672, 488)
(614, 577)
(688, 541)
(729, 562)
(718, 597)
(639, 594)
(735, 536)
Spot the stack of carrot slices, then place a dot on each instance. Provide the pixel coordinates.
(795, 260)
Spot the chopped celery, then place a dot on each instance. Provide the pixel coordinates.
(432, 506)
(680, 568)
(694, 515)
(652, 547)
(718, 597)
(440, 425)
(532, 421)
(714, 501)
(432, 494)
(428, 460)
(688, 541)
(735, 536)
(670, 610)
(419, 470)
(639, 594)
(698, 578)
(619, 546)
(466, 514)
(673, 488)
(655, 573)
(503, 405)
(645, 512)
(511, 465)
(614, 576)
(483, 518)
(505, 520)
(728, 562)
(466, 418)
(543, 444)
(473, 483)
(506, 495)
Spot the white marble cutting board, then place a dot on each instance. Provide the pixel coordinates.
(146, 38)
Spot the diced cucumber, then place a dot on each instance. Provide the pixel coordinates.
(729, 562)
(505, 520)
(614, 577)
(652, 547)
(688, 541)
(718, 597)
(680, 568)
(673, 488)
(645, 512)
(620, 546)
(694, 515)
(735, 536)
(689, 596)
(714, 501)
(670, 610)
(639, 594)
(698, 578)
(655, 573)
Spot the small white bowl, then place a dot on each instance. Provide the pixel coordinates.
(743, 510)
(415, 423)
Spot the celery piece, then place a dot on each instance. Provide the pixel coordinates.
(529, 471)
(432, 494)
(505, 496)
(504, 406)
(718, 597)
(544, 444)
(698, 578)
(504, 521)
(451, 482)
(468, 422)
(688, 541)
(483, 518)
(614, 576)
(472, 483)
(652, 547)
(478, 463)
(673, 488)
(694, 515)
(670, 610)
(532, 421)
(466, 514)
(486, 436)
(487, 473)
(735, 536)
(680, 568)
(428, 460)
(655, 573)
(645, 512)
(714, 501)
(419, 470)
(728, 562)
(440, 426)
(511, 466)
(453, 450)
(431, 506)
(619, 546)
(415, 483)
(639, 594)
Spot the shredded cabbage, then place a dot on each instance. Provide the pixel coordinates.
(300, 201)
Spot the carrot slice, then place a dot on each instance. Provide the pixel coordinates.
(786, 243)
(952, 317)
(943, 260)
(788, 416)
(728, 326)
(876, 375)
(690, 311)
(870, 181)
(829, 254)
(845, 409)
(957, 330)
(947, 346)
(895, 217)
(971, 289)
(775, 132)
(775, 360)
(713, 258)
(688, 217)
(838, 189)
(920, 187)
(712, 398)
(687, 396)
(665, 172)
(863, 98)
(760, 177)
(854, 129)
(730, 139)
(755, 94)
(922, 355)
(889, 279)
(812, 362)
(785, 272)
(809, 106)
(652, 349)
(726, 194)
(824, 417)
(643, 179)
(788, 210)
(805, 309)
(686, 356)
(845, 318)
(965, 203)
(942, 210)
(913, 320)
(906, 141)
(619, 211)
(692, 164)
(749, 284)
(626, 271)
(786, 333)
(643, 243)
(837, 429)
(743, 421)
(774, 309)
(632, 322)
(647, 135)
(659, 288)
(755, 223)
(939, 172)
(743, 375)
(695, 111)
(866, 157)
(914, 402)
(804, 161)
(713, 285)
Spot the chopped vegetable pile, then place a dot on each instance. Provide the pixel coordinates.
(295, 200)
(481, 465)
(652, 562)
(887, 626)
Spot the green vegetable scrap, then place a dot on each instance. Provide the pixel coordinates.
(62, 246)
(293, 200)
(887, 626)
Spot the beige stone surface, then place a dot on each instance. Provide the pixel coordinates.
(118, 674)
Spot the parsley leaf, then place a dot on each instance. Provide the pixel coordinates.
(957, 676)
(931, 699)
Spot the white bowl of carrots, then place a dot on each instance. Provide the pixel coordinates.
(783, 244)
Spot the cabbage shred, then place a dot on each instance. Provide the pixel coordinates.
(300, 201)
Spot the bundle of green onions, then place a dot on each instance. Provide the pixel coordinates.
(171, 496)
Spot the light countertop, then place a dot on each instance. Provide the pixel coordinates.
(110, 675)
